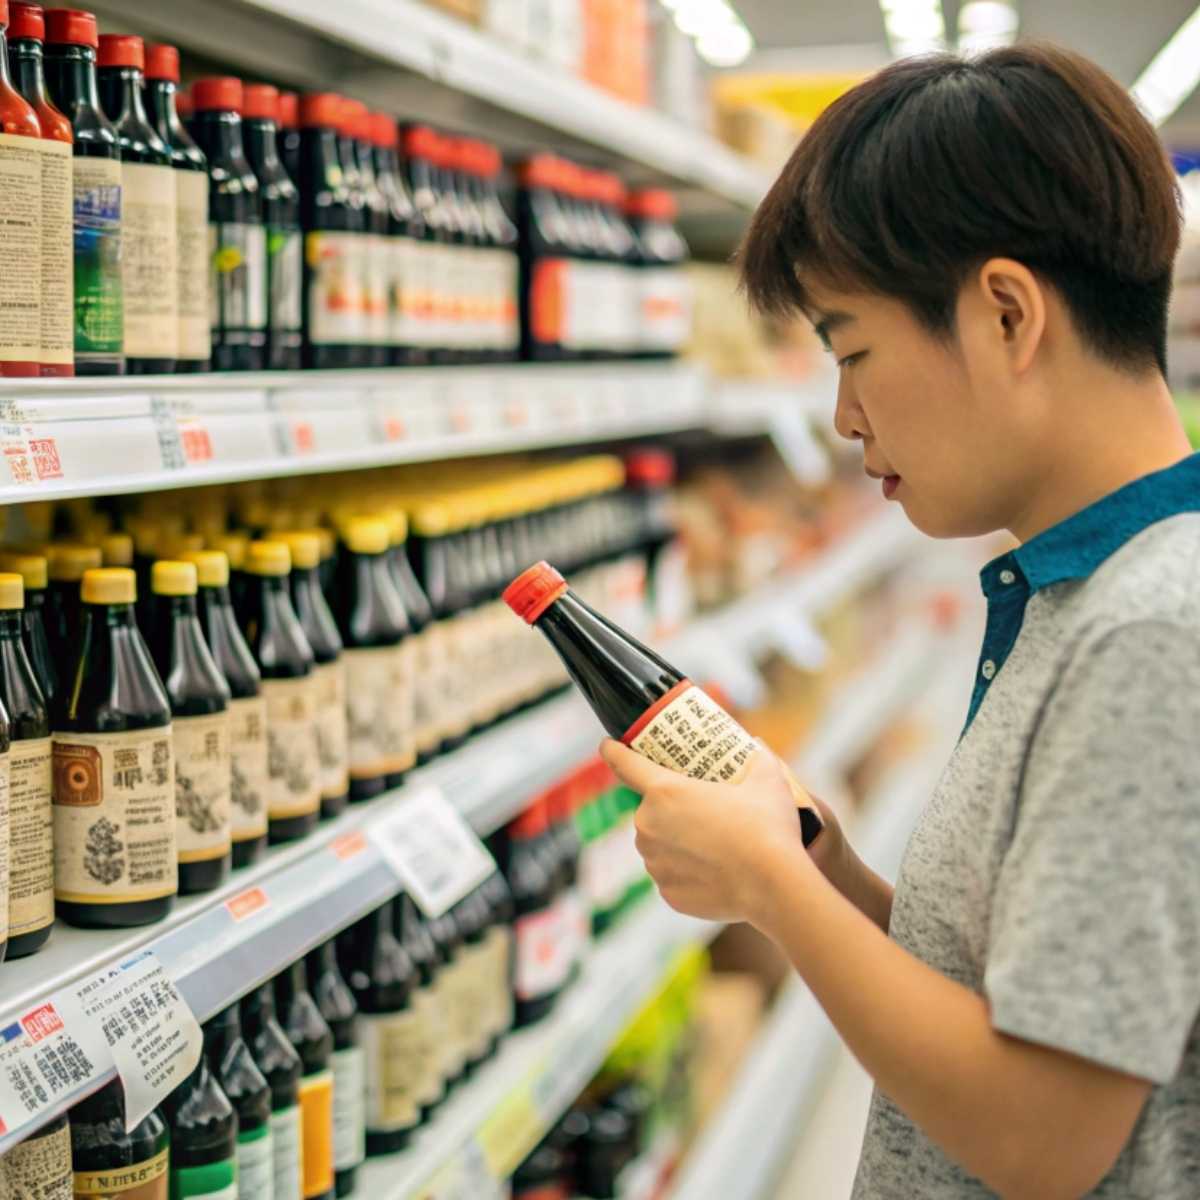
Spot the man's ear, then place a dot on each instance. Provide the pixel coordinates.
(1014, 304)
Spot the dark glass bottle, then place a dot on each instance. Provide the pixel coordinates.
(204, 1136)
(67, 564)
(411, 932)
(276, 1058)
(33, 571)
(504, 240)
(285, 660)
(472, 918)
(199, 727)
(420, 151)
(31, 864)
(191, 209)
(249, 777)
(230, 1060)
(336, 1002)
(281, 214)
(544, 259)
(665, 302)
(544, 1175)
(151, 294)
(40, 1166)
(289, 134)
(604, 1152)
(235, 214)
(322, 632)
(106, 1160)
(112, 749)
(312, 1038)
(375, 238)
(71, 44)
(360, 244)
(448, 940)
(501, 953)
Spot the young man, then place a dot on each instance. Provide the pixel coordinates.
(986, 247)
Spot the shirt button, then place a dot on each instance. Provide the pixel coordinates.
(1007, 577)
(988, 669)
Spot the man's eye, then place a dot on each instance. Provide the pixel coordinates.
(851, 359)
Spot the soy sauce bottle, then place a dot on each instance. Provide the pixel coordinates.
(31, 819)
(112, 751)
(204, 1136)
(337, 1005)
(639, 697)
(278, 1061)
(230, 1060)
(249, 779)
(200, 728)
(40, 1166)
(67, 564)
(106, 1160)
(410, 931)
(289, 134)
(313, 1041)
(289, 686)
(499, 941)
(33, 571)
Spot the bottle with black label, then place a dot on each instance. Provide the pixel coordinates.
(67, 564)
(204, 1138)
(31, 820)
(230, 1060)
(237, 239)
(336, 1002)
(191, 209)
(107, 1161)
(411, 932)
(33, 571)
(278, 1061)
(113, 760)
(281, 215)
(199, 725)
(148, 229)
(40, 1166)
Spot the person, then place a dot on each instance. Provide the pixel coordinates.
(986, 247)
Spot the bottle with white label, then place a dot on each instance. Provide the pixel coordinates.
(40, 1166)
(204, 1130)
(106, 1160)
(148, 220)
(199, 699)
(31, 854)
(410, 931)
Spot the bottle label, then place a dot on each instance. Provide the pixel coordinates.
(58, 255)
(202, 786)
(543, 958)
(546, 300)
(191, 216)
(468, 1009)
(369, 682)
(285, 1138)
(376, 256)
(426, 650)
(498, 945)
(249, 778)
(349, 1121)
(292, 757)
(39, 1168)
(332, 739)
(114, 816)
(285, 275)
(316, 1127)
(392, 1049)
(452, 1053)
(212, 1181)
(689, 732)
(335, 288)
(148, 272)
(239, 281)
(99, 292)
(21, 250)
(142, 1181)
(399, 712)
(31, 875)
(429, 1049)
(256, 1161)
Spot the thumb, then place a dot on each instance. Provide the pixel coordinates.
(633, 769)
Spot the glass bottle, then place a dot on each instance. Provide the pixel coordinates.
(106, 1160)
(67, 564)
(204, 1138)
(503, 235)
(501, 954)
(33, 571)
(434, 313)
(289, 134)
(664, 294)
(410, 931)
(544, 259)
(40, 1166)
(375, 214)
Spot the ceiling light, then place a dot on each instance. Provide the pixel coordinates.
(728, 47)
(700, 18)
(721, 38)
(913, 26)
(986, 24)
(1172, 74)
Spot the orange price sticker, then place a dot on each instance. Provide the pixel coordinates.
(197, 445)
(348, 845)
(460, 419)
(247, 903)
(394, 429)
(303, 437)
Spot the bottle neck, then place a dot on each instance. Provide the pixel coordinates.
(160, 96)
(121, 92)
(10, 624)
(29, 74)
(220, 135)
(292, 982)
(222, 1033)
(261, 140)
(73, 75)
(260, 1004)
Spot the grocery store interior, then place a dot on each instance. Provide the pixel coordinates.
(328, 321)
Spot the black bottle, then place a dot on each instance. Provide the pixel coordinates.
(70, 55)
(545, 252)
(420, 150)
(239, 283)
(289, 134)
(67, 564)
(448, 938)
(106, 1160)
(411, 932)
(504, 239)
(204, 1135)
(501, 954)
(33, 571)
(375, 235)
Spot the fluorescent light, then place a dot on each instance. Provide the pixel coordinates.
(913, 26)
(728, 47)
(1172, 74)
(700, 18)
(721, 38)
(986, 24)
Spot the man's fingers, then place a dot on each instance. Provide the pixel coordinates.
(632, 768)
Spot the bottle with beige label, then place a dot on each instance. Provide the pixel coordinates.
(31, 838)
(33, 571)
(199, 699)
(111, 1163)
(114, 770)
(40, 1167)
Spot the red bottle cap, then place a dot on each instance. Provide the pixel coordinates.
(162, 62)
(220, 94)
(357, 120)
(533, 822)
(320, 110)
(71, 27)
(122, 50)
(655, 203)
(384, 132)
(541, 171)
(289, 110)
(25, 21)
(534, 590)
(260, 101)
(490, 161)
(650, 467)
(419, 141)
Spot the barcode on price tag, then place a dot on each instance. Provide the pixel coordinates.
(434, 852)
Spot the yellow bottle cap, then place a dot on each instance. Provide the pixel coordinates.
(328, 542)
(109, 585)
(212, 567)
(233, 546)
(397, 525)
(31, 568)
(178, 545)
(117, 550)
(366, 535)
(172, 578)
(68, 561)
(431, 520)
(12, 591)
(268, 558)
(305, 547)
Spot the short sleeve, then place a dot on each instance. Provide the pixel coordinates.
(1094, 941)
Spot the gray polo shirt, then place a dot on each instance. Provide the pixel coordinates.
(1056, 868)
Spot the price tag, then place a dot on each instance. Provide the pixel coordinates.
(510, 1132)
(435, 854)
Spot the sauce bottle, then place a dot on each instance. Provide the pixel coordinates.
(435, 303)
(312, 1038)
(26, 33)
(471, 995)
(322, 632)
(428, 1009)
(107, 1161)
(337, 1005)
(249, 778)
(544, 263)
(289, 686)
(230, 1061)
(376, 250)
(502, 232)
(191, 209)
(114, 771)
(281, 214)
(238, 281)
(277, 1059)
(40, 1166)
(148, 275)
(664, 296)
(289, 134)
(204, 1138)
(116, 550)
(33, 572)
(67, 565)
(638, 696)
(501, 955)
(31, 821)
(199, 699)
(448, 940)
(98, 303)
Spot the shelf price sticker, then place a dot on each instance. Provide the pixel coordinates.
(435, 854)
(510, 1131)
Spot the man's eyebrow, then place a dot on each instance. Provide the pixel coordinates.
(830, 322)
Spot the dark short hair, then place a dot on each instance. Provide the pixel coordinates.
(935, 164)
